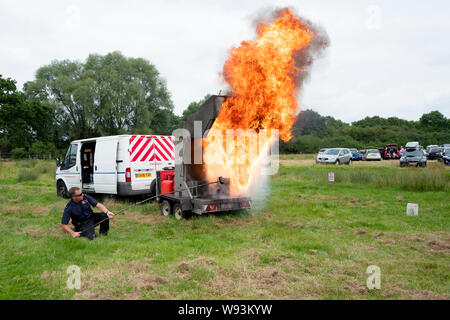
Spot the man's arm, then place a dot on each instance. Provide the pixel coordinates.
(104, 210)
(69, 230)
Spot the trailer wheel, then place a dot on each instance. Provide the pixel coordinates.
(166, 208)
(178, 212)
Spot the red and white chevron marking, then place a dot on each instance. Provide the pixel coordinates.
(150, 148)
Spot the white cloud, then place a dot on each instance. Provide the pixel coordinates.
(399, 68)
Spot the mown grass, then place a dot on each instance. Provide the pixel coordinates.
(311, 239)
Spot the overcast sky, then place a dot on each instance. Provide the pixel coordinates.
(386, 58)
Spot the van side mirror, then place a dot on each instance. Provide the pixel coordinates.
(58, 162)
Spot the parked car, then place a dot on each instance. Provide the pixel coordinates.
(362, 153)
(321, 152)
(336, 156)
(355, 154)
(412, 145)
(446, 156)
(391, 152)
(431, 146)
(413, 157)
(373, 154)
(434, 153)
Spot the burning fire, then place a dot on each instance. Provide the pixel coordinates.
(262, 75)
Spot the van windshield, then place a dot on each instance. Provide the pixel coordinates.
(332, 151)
(373, 151)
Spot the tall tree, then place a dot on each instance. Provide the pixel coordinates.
(192, 108)
(22, 121)
(106, 95)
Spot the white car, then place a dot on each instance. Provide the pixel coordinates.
(373, 154)
(321, 152)
(335, 156)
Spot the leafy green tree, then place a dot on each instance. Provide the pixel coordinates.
(42, 148)
(22, 121)
(434, 120)
(192, 108)
(19, 153)
(106, 95)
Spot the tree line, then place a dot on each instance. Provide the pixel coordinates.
(311, 132)
(114, 94)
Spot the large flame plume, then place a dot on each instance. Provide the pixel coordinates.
(265, 76)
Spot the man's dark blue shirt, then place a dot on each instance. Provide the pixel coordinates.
(80, 211)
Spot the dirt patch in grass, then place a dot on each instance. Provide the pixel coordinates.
(145, 218)
(355, 287)
(104, 283)
(12, 208)
(40, 210)
(381, 234)
(205, 261)
(18, 199)
(185, 266)
(295, 225)
(437, 245)
(36, 210)
(36, 233)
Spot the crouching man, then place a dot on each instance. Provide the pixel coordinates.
(83, 218)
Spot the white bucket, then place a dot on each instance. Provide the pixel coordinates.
(412, 209)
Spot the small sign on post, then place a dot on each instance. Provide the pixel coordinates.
(330, 176)
(412, 209)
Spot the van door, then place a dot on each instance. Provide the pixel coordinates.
(69, 170)
(105, 170)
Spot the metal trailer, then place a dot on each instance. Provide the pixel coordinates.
(192, 192)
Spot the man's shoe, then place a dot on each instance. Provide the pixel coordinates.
(103, 234)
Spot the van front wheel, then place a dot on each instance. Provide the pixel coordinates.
(61, 189)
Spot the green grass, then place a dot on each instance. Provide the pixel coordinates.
(312, 239)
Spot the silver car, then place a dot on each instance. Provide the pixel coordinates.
(321, 152)
(335, 156)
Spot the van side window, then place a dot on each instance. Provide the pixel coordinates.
(71, 157)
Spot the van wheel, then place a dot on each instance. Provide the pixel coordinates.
(350, 162)
(337, 162)
(153, 188)
(166, 208)
(61, 189)
(178, 212)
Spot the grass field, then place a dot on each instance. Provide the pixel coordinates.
(311, 240)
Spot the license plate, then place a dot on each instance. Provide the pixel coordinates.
(144, 175)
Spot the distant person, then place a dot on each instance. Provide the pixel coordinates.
(83, 218)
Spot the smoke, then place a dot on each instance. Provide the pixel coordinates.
(305, 57)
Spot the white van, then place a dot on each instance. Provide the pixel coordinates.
(123, 164)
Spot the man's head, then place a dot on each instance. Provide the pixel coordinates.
(76, 194)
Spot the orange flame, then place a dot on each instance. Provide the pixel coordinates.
(262, 76)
